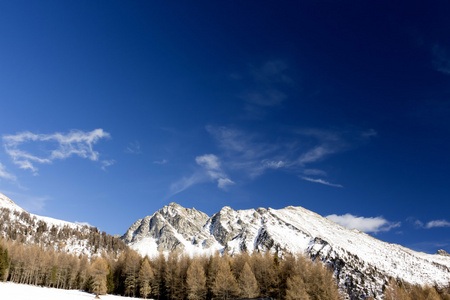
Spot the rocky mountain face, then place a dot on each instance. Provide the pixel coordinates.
(362, 264)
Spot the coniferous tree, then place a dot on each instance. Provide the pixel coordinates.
(247, 283)
(296, 289)
(159, 270)
(110, 281)
(196, 281)
(225, 284)
(99, 270)
(145, 278)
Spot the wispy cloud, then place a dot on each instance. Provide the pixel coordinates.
(437, 223)
(211, 164)
(270, 72)
(224, 183)
(5, 174)
(431, 224)
(440, 59)
(134, 148)
(295, 151)
(210, 170)
(315, 172)
(107, 163)
(160, 162)
(267, 87)
(321, 181)
(371, 224)
(59, 146)
(186, 182)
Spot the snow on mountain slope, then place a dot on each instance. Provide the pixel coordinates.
(5, 202)
(8, 203)
(18, 224)
(362, 264)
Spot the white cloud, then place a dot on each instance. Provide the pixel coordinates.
(273, 164)
(160, 162)
(5, 174)
(430, 224)
(437, 223)
(295, 151)
(375, 225)
(59, 146)
(210, 171)
(107, 163)
(208, 161)
(223, 183)
(211, 164)
(314, 154)
(321, 181)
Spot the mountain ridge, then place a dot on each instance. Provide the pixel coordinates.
(362, 264)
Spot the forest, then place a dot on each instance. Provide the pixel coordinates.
(177, 276)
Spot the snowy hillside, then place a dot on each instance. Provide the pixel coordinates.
(362, 263)
(12, 291)
(5, 202)
(18, 224)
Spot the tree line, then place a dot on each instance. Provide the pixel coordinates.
(180, 277)
(171, 277)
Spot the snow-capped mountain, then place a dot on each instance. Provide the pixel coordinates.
(17, 224)
(362, 264)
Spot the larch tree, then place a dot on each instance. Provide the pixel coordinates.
(99, 270)
(296, 289)
(145, 278)
(132, 263)
(196, 281)
(225, 284)
(247, 283)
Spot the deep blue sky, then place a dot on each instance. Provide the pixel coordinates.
(112, 109)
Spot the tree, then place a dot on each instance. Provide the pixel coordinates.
(145, 278)
(132, 263)
(247, 283)
(296, 289)
(196, 281)
(99, 270)
(4, 264)
(225, 285)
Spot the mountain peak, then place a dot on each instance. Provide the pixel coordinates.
(442, 252)
(8, 203)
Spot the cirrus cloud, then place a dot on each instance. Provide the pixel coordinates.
(5, 174)
(52, 147)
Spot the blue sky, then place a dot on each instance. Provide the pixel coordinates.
(112, 109)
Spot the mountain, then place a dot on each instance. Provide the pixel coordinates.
(362, 264)
(17, 224)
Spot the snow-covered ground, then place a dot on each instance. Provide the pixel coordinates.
(12, 291)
